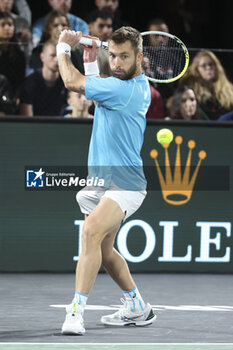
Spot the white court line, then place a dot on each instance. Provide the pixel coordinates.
(92, 307)
(161, 307)
(156, 344)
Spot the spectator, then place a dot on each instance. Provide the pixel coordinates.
(22, 8)
(43, 92)
(22, 23)
(109, 5)
(55, 22)
(156, 108)
(12, 59)
(165, 90)
(78, 106)
(157, 25)
(64, 6)
(213, 90)
(226, 117)
(100, 25)
(189, 20)
(112, 6)
(184, 105)
(7, 106)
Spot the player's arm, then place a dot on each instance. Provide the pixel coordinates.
(72, 78)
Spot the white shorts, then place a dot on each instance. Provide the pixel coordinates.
(128, 201)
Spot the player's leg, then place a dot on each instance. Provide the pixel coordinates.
(105, 217)
(134, 310)
(115, 264)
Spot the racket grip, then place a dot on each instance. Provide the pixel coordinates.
(88, 42)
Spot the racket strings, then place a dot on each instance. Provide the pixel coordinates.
(163, 61)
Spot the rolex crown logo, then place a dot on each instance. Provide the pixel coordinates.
(177, 188)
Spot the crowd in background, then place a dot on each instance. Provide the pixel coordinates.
(30, 83)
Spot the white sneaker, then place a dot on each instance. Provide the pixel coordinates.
(74, 323)
(126, 316)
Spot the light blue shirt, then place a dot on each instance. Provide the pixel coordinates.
(118, 129)
(76, 24)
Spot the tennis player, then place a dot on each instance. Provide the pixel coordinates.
(117, 137)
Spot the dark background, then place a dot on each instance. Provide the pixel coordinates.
(210, 21)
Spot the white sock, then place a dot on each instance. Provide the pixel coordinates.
(79, 301)
(132, 296)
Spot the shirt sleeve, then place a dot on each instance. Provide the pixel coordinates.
(76, 23)
(37, 31)
(24, 10)
(84, 28)
(111, 92)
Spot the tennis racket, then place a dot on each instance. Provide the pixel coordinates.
(165, 57)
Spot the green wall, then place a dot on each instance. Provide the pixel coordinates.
(39, 230)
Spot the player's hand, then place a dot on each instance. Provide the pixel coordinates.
(70, 37)
(90, 52)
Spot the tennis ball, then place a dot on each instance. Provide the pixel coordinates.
(164, 136)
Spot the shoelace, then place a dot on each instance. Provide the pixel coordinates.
(124, 309)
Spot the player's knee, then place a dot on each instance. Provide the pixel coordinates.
(92, 235)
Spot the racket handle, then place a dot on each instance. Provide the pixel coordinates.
(88, 42)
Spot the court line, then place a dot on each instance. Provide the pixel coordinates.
(215, 308)
(120, 346)
(86, 346)
(115, 344)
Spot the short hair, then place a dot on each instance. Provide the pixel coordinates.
(156, 21)
(126, 33)
(98, 14)
(48, 43)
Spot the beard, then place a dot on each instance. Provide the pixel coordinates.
(125, 75)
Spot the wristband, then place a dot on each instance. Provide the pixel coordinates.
(91, 69)
(63, 48)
